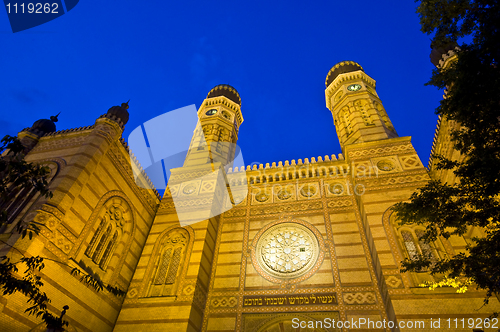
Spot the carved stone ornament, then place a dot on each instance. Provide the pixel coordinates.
(176, 238)
(284, 194)
(336, 188)
(116, 214)
(287, 250)
(308, 191)
(262, 197)
(189, 189)
(385, 165)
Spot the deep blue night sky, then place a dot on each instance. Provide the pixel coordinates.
(165, 55)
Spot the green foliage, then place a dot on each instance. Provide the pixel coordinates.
(17, 177)
(472, 100)
(29, 285)
(93, 280)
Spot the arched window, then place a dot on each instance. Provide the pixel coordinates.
(362, 108)
(106, 237)
(161, 274)
(168, 263)
(412, 246)
(415, 246)
(346, 119)
(18, 197)
(109, 249)
(383, 114)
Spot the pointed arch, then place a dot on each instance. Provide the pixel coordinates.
(406, 243)
(165, 269)
(104, 239)
(25, 201)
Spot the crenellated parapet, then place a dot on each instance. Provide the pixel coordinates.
(330, 166)
(72, 130)
(288, 163)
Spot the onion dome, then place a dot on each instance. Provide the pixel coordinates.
(44, 126)
(341, 68)
(226, 91)
(120, 112)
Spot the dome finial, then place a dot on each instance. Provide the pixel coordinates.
(54, 118)
(125, 105)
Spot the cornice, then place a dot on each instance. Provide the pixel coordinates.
(149, 197)
(223, 101)
(343, 79)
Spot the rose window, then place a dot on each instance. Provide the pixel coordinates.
(385, 165)
(287, 250)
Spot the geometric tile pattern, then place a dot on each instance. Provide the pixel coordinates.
(207, 186)
(235, 213)
(410, 162)
(360, 298)
(394, 281)
(188, 289)
(173, 190)
(339, 203)
(379, 151)
(223, 301)
(397, 180)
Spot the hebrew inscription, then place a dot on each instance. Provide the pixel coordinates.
(289, 300)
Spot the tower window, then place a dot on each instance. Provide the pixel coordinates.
(163, 268)
(106, 237)
(168, 264)
(415, 246)
(226, 115)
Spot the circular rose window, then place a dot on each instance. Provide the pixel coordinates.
(385, 165)
(189, 189)
(287, 250)
(261, 197)
(308, 191)
(284, 194)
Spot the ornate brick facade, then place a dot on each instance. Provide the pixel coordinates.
(307, 239)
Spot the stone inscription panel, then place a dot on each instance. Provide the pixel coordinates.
(289, 300)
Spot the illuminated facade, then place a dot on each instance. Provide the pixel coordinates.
(312, 240)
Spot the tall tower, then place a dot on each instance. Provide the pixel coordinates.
(173, 277)
(211, 152)
(443, 58)
(215, 138)
(357, 111)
